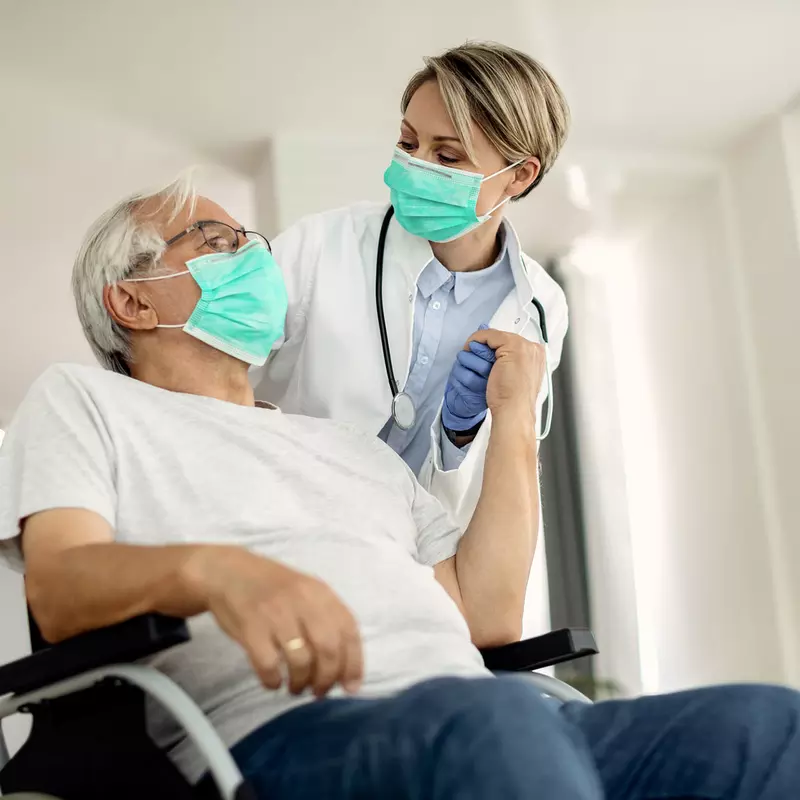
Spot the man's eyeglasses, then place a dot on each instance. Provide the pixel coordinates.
(221, 237)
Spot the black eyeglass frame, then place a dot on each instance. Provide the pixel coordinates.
(200, 225)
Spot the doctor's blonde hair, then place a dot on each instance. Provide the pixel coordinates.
(511, 97)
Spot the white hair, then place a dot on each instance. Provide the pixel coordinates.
(121, 244)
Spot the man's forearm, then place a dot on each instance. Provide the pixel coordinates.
(494, 558)
(96, 585)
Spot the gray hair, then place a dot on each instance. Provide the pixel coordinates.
(121, 244)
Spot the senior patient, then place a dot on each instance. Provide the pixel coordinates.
(311, 562)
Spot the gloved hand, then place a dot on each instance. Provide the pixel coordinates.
(465, 393)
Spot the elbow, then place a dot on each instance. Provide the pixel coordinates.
(498, 633)
(46, 612)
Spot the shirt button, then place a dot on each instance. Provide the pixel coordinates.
(516, 321)
(423, 360)
(410, 297)
(436, 306)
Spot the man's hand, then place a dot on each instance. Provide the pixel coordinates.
(517, 373)
(280, 617)
(489, 574)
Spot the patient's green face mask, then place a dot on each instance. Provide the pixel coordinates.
(242, 308)
(436, 202)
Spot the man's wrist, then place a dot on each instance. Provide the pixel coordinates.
(198, 575)
(518, 418)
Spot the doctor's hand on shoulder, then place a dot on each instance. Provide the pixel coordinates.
(496, 370)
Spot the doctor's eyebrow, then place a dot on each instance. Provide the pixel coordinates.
(435, 138)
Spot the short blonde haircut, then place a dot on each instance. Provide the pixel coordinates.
(507, 94)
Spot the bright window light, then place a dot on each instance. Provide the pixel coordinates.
(578, 188)
(640, 448)
(596, 255)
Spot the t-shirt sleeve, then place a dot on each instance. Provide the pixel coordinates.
(438, 536)
(56, 454)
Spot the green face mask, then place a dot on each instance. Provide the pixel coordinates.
(242, 308)
(436, 202)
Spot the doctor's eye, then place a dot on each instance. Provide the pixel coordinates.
(448, 159)
(407, 146)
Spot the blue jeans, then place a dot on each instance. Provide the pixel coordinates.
(458, 739)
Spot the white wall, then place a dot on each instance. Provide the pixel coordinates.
(698, 339)
(702, 536)
(762, 189)
(603, 485)
(60, 168)
(304, 173)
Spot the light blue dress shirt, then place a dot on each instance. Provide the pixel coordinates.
(450, 306)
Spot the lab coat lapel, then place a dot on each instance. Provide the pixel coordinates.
(404, 259)
(514, 312)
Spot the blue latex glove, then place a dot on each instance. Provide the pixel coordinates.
(465, 393)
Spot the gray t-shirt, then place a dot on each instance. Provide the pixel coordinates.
(166, 468)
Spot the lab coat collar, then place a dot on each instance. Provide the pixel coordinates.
(519, 268)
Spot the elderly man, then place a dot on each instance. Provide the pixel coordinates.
(311, 562)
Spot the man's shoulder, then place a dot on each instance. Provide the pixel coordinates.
(64, 386)
(63, 374)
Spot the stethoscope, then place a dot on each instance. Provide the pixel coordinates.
(404, 412)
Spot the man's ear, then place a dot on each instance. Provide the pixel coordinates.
(524, 175)
(129, 306)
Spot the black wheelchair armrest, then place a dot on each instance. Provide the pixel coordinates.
(122, 643)
(555, 647)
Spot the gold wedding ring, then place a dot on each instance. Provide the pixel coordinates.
(293, 645)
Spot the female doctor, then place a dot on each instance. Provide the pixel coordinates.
(382, 299)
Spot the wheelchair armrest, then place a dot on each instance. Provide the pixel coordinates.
(122, 643)
(555, 647)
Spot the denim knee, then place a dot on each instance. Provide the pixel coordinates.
(503, 737)
(748, 703)
(500, 706)
(752, 708)
(485, 694)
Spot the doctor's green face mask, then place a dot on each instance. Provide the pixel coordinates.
(436, 202)
(242, 308)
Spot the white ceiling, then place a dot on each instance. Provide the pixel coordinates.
(656, 86)
(639, 73)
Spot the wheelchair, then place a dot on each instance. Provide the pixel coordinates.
(87, 698)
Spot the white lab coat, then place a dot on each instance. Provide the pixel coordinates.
(331, 364)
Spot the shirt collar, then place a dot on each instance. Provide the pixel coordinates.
(435, 275)
(411, 254)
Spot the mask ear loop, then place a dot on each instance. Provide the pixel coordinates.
(494, 175)
(160, 278)
(155, 277)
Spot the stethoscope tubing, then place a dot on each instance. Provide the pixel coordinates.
(387, 355)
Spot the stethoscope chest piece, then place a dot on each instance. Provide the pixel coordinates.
(404, 413)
